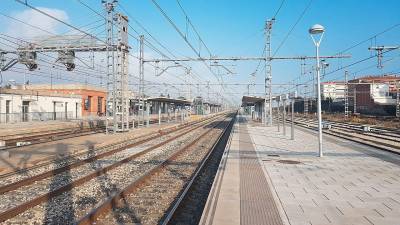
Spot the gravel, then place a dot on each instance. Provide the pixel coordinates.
(71, 205)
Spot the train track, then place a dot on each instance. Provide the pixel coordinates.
(385, 139)
(68, 159)
(14, 141)
(153, 197)
(29, 199)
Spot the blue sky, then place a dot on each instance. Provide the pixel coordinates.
(235, 28)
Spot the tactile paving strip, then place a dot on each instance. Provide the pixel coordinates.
(257, 204)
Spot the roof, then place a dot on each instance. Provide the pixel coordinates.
(65, 87)
(250, 100)
(211, 104)
(333, 82)
(377, 79)
(36, 93)
(169, 100)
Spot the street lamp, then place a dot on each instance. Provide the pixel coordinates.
(318, 31)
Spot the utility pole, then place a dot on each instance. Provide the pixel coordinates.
(346, 95)
(284, 116)
(278, 115)
(292, 120)
(141, 80)
(117, 72)
(305, 101)
(398, 100)
(268, 72)
(188, 84)
(111, 98)
(355, 99)
(379, 52)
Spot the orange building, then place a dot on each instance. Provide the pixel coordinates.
(93, 98)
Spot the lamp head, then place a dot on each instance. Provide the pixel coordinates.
(316, 29)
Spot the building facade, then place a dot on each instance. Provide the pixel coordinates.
(93, 98)
(333, 90)
(374, 94)
(28, 105)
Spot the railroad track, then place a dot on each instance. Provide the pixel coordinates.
(18, 140)
(377, 137)
(153, 197)
(69, 159)
(49, 197)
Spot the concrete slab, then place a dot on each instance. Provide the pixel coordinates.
(351, 184)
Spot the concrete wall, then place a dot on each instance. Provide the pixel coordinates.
(39, 107)
(85, 91)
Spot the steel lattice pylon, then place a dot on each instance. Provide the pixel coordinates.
(117, 112)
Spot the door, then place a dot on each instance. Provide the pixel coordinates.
(99, 105)
(8, 103)
(25, 111)
(66, 110)
(76, 110)
(54, 111)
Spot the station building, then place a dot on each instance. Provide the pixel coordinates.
(334, 90)
(374, 94)
(18, 105)
(93, 98)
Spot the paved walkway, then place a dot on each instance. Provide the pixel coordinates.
(351, 184)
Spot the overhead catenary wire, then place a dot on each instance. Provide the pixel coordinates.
(293, 27)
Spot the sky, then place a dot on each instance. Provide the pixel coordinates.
(229, 28)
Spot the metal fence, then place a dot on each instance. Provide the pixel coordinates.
(35, 116)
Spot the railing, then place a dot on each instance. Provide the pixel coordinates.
(35, 116)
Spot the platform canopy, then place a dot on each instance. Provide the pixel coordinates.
(169, 100)
(251, 100)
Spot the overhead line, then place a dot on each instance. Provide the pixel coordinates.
(292, 28)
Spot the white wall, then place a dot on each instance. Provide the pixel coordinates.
(41, 105)
(333, 90)
(380, 94)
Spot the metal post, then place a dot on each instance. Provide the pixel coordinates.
(346, 96)
(182, 115)
(110, 112)
(292, 121)
(355, 99)
(159, 114)
(278, 112)
(147, 115)
(284, 117)
(398, 100)
(268, 73)
(141, 79)
(319, 104)
(175, 116)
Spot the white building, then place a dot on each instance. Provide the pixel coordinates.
(28, 105)
(333, 90)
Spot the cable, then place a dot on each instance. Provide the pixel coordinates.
(279, 9)
(292, 28)
(195, 30)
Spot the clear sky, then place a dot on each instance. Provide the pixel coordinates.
(228, 28)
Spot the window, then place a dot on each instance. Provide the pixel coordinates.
(8, 106)
(88, 103)
(99, 104)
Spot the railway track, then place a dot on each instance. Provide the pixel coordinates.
(385, 139)
(87, 182)
(103, 151)
(14, 141)
(153, 197)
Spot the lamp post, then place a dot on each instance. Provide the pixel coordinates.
(318, 31)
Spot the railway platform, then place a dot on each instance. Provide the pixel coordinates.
(267, 178)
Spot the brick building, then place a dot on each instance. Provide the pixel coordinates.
(374, 94)
(93, 98)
